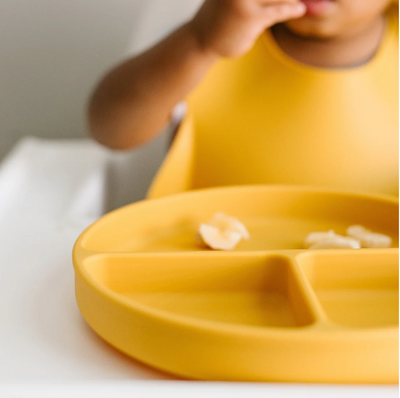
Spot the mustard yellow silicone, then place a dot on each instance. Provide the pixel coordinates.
(267, 119)
(267, 311)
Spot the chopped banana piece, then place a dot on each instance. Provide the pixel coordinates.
(223, 232)
(315, 237)
(218, 239)
(337, 242)
(227, 223)
(368, 238)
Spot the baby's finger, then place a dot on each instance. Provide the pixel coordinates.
(283, 12)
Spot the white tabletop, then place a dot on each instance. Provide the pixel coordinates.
(49, 192)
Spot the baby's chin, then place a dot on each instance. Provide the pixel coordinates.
(313, 29)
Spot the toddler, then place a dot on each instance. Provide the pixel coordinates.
(278, 92)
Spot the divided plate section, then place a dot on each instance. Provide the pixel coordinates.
(356, 289)
(277, 217)
(235, 290)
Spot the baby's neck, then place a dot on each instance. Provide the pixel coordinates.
(348, 51)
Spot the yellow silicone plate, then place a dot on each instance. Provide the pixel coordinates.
(267, 311)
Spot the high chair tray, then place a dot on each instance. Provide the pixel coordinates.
(266, 311)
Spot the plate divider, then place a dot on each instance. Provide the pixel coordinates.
(321, 318)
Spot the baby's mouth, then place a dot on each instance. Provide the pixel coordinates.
(318, 7)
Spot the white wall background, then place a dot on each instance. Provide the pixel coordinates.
(53, 51)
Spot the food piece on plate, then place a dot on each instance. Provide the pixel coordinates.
(368, 238)
(227, 223)
(315, 237)
(337, 242)
(218, 239)
(223, 232)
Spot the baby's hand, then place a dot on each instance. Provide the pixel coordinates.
(229, 28)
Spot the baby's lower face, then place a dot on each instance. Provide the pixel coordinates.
(329, 19)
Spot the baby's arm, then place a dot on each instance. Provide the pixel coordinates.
(135, 100)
